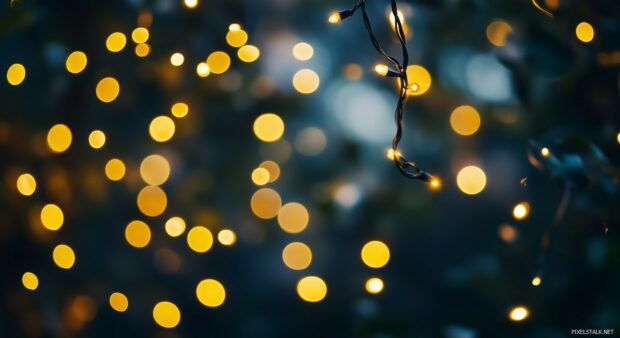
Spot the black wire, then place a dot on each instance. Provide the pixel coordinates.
(407, 168)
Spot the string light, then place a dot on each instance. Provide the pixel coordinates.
(407, 168)
(536, 281)
(518, 313)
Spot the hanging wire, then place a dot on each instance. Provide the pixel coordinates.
(408, 168)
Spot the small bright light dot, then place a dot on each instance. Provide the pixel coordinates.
(293, 217)
(140, 35)
(311, 289)
(273, 168)
(382, 69)
(155, 169)
(234, 27)
(265, 203)
(268, 127)
(116, 42)
(435, 184)
(190, 3)
(203, 70)
(226, 237)
(303, 51)
(545, 152)
(143, 49)
(96, 139)
(107, 89)
(419, 79)
(115, 169)
(306, 81)
(248, 53)
(218, 62)
(210, 293)
(297, 256)
(52, 217)
(76, 62)
(471, 180)
(16, 74)
(162, 128)
(177, 59)
(584, 32)
(518, 313)
(138, 234)
(118, 302)
(521, 210)
(175, 226)
(536, 281)
(179, 109)
(465, 120)
(236, 37)
(507, 233)
(152, 201)
(30, 281)
(26, 184)
(391, 155)
(334, 18)
(59, 138)
(63, 256)
(166, 314)
(375, 254)
(200, 239)
(618, 138)
(374, 285)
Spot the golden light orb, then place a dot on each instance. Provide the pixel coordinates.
(306, 81)
(521, 210)
(140, 35)
(162, 128)
(374, 285)
(191, 4)
(118, 302)
(293, 217)
(381, 69)
(334, 18)
(218, 62)
(138, 234)
(545, 152)
(471, 180)
(584, 32)
(375, 254)
(311, 289)
(210, 293)
(142, 49)
(419, 80)
(107, 89)
(175, 226)
(179, 109)
(303, 51)
(497, 32)
(96, 139)
(236, 37)
(59, 138)
(166, 314)
(273, 168)
(268, 127)
(155, 169)
(203, 70)
(115, 169)
(152, 201)
(248, 53)
(465, 120)
(227, 237)
(518, 313)
(536, 281)
(26, 184)
(63, 256)
(260, 176)
(265, 203)
(52, 217)
(200, 239)
(116, 42)
(16, 74)
(177, 59)
(76, 62)
(30, 281)
(297, 256)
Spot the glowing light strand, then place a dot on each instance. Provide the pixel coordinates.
(407, 168)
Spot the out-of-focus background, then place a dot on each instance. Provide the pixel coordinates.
(220, 169)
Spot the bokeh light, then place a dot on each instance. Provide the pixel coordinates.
(152, 201)
(162, 128)
(584, 32)
(218, 62)
(200, 239)
(536, 281)
(266, 203)
(312, 289)
(175, 226)
(118, 302)
(465, 120)
(310, 141)
(179, 109)
(521, 210)
(273, 168)
(76, 62)
(16, 74)
(59, 138)
(210, 293)
(471, 180)
(303, 51)
(374, 285)
(166, 314)
(30, 281)
(518, 313)
(115, 169)
(268, 127)
(419, 80)
(63, 256)
(155, 169)
(227, 237)
(248, 53)
(107, 89)
(236, 37)
(138, 234)
(375, 254)
(52, 217)
(497, 32)
(26, 184)
(96, 139)
(177, 59)
(306, 81)
(260, 176)
(297, 256)
(293, 217)
(140, 35)
(116, 42)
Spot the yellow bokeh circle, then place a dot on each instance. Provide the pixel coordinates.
(471, 180)
(375, 254)
(210, 293)
(312, 289)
